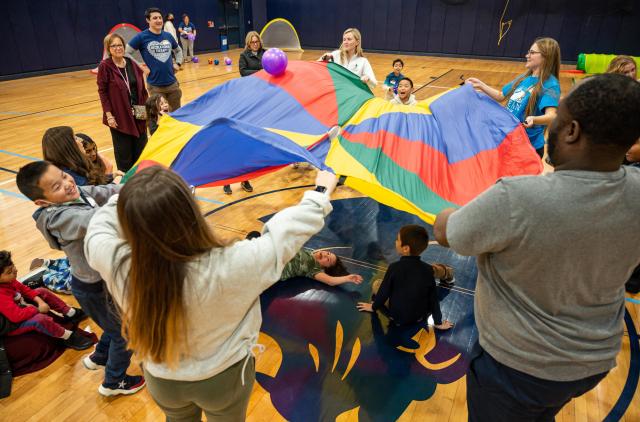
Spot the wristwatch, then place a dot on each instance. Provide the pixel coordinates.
(321, 189)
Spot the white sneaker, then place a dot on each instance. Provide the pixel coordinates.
(91, 364)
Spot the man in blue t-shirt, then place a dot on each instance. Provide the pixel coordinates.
(517, 104)
(155, 46)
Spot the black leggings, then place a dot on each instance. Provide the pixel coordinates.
(127, 148)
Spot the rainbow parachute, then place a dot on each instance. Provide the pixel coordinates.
(441, 153)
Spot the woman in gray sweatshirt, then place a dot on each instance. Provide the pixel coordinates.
(190, 305)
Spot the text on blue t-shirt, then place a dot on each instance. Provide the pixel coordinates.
(186, 29)
(156, 53)
(517, 104)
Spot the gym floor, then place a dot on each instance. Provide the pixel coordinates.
(323, 359)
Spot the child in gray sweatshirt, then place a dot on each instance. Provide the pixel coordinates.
(64, 214)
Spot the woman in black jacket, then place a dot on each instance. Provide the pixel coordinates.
(251, 57)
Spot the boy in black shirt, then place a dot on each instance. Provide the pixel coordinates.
(408, 294)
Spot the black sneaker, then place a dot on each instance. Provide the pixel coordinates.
(77, 317)
(252, 235)
(130, 384)
(227, 189)
(246, 186)
(78, 342)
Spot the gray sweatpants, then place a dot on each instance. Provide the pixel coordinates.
(222, 397)
(187, 48)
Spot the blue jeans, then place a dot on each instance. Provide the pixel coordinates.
(498, 393)
(112, 348)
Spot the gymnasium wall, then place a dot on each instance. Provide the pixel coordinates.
(45, 35)
(467, 27)
(259, 9)
(51, 34)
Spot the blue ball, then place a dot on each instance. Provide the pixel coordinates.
(216, 62)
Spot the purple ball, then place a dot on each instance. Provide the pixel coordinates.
(191, 36)
(274, 61)
(227, 61)
(195, 59)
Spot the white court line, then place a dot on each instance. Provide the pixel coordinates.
(106, 149)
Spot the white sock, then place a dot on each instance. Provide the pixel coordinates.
(71, 312)
(66, 335)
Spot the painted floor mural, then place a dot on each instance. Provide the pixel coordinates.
(336, 359)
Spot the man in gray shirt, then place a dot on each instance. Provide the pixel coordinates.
(554, 253)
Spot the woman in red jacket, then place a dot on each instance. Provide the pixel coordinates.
(122, 90)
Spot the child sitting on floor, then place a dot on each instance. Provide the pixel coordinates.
(391, 82)
(56, 275)
(156, 106)
(408, 292)
(29, 308)
(323, 266)
(404, 96)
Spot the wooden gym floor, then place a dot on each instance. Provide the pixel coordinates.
(67, 391)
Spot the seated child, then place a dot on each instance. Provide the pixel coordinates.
(323, 266)
(156, 106)
(29, 308)
(391, 81)
(63, 217)
(57, 273)
(404, 96)
(98, 161)
(408, 293)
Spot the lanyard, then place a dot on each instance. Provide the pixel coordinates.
(125, 77)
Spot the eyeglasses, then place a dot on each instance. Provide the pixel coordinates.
(254, 42)
(532, 52)
(116, 46)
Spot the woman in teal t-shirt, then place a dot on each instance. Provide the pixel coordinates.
(533, 97)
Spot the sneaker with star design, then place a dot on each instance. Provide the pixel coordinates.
(130, 384)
